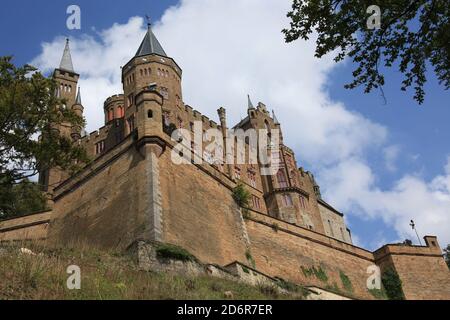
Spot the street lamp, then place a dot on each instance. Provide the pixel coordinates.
(413, 226)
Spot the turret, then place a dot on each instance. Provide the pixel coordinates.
(151, 66)
(67, 82)
(78, 109)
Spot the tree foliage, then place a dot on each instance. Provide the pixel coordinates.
(447, 255)
(29, 143)
(29, 109)
(20, 199)
(414, 35)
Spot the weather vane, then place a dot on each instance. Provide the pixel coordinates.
(149, 22)
(413, 226)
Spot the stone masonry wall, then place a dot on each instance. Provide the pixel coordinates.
(285, 251)
(30, 227)
(200, 214)
(104, 205)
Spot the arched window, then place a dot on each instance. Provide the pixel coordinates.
(120, 113)
(281, 177)
(111, 114)
(287, 200)
(149, 71)
(302, 202)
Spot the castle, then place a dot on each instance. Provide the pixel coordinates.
(132, 190)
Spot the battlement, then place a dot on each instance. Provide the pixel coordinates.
(95, 136)
(114, 98)
(194, 115)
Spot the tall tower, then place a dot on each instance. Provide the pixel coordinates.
(67, 82)
(151, 67)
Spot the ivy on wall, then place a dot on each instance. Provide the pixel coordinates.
(318, 272)
(346, 283)
(392, 284)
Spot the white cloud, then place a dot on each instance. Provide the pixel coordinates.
(426, 202)
(228, 49)
(391, 154)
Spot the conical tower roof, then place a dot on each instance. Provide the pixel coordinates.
(150, 45)
(66, 60)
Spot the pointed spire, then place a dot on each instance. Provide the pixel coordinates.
(78, 99)
(275, 120)
(150, 44)
(66, 60)
(250, 104)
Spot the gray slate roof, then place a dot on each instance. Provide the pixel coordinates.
(78, 99)
(150, 45)
(66, 61)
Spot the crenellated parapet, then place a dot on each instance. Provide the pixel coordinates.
(114, 107)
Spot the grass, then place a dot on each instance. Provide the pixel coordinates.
(107, 276)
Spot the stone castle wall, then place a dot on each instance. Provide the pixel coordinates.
(107, 204)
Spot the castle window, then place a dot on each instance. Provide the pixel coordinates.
(166, 118)
(180, 123)
(149, 71)
(100, 147)
(165, 92)
(237, 173)
(191, 126)
(130, 100)
(142, 72)
(281, 177)
(120, 113)
(287, 200)
(130, 123)
(149, 114)
(302, 202)
(252, 178)
(111, 114)
(256, 202)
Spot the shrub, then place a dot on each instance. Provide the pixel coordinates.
(275, 227)
(169, 251)
(319, 273)
(379, 294)
(392, 284)
(246, 214)
(346, 281)
(250, 259)
(241, 195)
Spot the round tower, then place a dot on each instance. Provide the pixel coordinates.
(151, 67)
(114, 108)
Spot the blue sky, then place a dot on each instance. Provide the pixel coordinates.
(415, 137)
